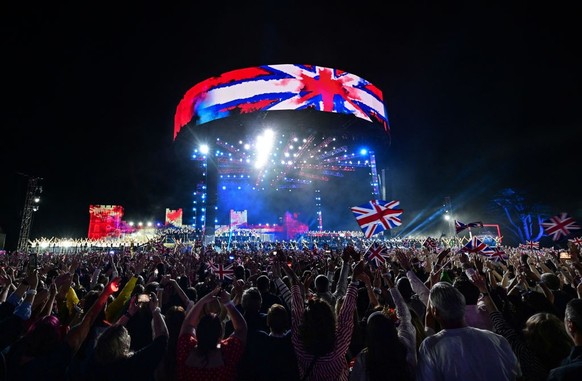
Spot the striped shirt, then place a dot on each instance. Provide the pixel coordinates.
(332, 366)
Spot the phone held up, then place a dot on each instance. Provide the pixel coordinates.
(32, 262)
(143, 298)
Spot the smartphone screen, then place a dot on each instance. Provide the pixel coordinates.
(143, 298)
(565, 255)
(32, 262)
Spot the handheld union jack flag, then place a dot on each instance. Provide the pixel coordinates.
(577, 241)
(377, 215)
(430, 243)
(222, 271)
(459, 226)
(532, 245)
(498, 254)
(475, 245)
(560, 225)
(377, 253)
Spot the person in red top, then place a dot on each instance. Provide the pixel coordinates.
(202, 353)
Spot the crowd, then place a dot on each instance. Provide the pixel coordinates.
(286, 313)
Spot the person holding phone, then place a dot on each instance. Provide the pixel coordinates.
(113, 358)
(203, 353)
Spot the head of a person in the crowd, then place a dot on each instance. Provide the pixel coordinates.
(113, 344)
(551, 280)
(263, 283)
(192, 293)
(317, 329)
(138, 289)
(42, 337)
(278, 319)
(183, 282)
(174, 318)
(251, 300)
(321, 283)
(447, 304)
(239, 272)
(532, 302)
(383, 343)
(573, 320)
(209, 332)
(468, 289)
(546, 334)
(151, 287)
(404, 287)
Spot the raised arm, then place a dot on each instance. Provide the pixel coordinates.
(159, 326)
(78, 333)
(342, 283)
(417, 285)
(238, 321)
(281, 286)
(179, 291)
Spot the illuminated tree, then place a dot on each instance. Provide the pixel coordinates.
(523, 218)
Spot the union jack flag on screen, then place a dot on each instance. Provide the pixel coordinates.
(376, 216)
(560, 225)
(475, 245)
(281, 87)
(377, 254)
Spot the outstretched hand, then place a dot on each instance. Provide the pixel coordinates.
(359, 271)
(403, 260)
(478, 280)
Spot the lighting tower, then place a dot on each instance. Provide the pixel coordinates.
(31, 205)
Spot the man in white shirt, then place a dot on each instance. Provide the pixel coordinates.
(459, 352)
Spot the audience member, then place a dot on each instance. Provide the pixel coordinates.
(459, 352)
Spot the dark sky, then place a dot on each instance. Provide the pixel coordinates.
(481, 96)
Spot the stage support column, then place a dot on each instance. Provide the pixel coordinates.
(211, 196)
(318, 209)
(374, 181)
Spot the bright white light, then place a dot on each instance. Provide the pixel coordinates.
(447, 217)
(264, 146)
(363, 151)
(204, 149)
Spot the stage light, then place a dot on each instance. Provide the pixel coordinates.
(363, 151)
(204, 149)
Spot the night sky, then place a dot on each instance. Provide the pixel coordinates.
(481, 96)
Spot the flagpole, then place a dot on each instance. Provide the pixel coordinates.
(368, 249)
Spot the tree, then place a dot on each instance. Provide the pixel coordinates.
(523, 218)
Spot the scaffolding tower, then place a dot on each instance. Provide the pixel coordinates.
(31, 204)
